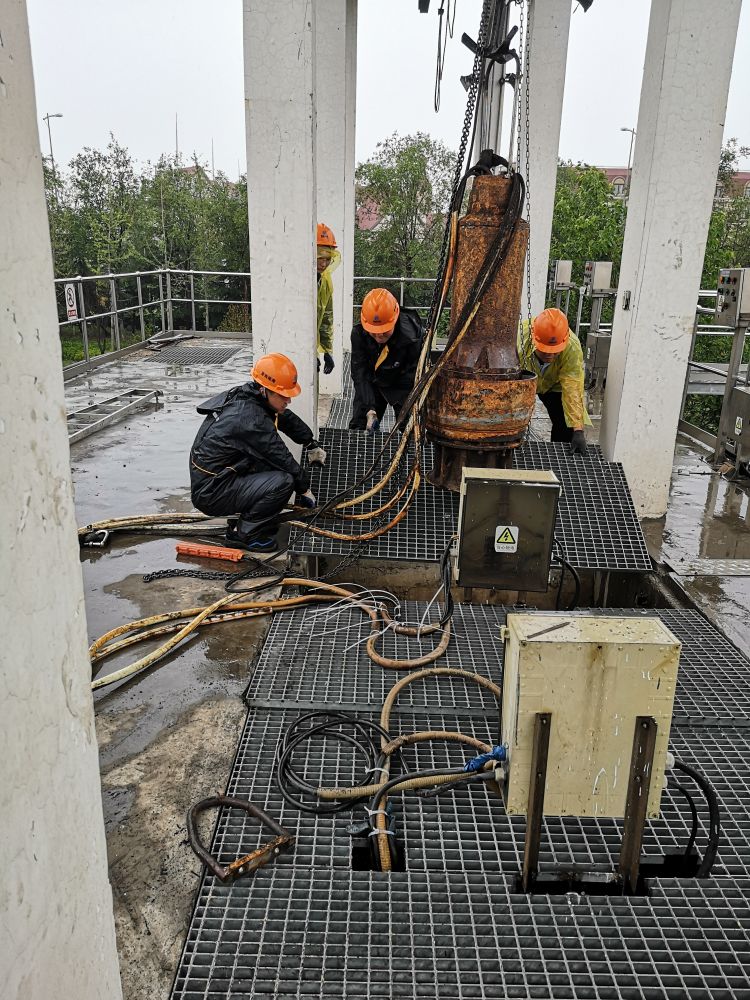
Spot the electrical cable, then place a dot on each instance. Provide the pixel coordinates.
(693, 813)
(564, 564)
(302, 731)
(714, 826)
(194, 618)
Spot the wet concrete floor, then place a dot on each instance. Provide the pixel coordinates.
(708, 521)
(167, 737)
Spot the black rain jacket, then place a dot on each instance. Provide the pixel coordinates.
(240, 432)
(398, 369)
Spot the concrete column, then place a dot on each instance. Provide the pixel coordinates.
(279, 43)
(336, 84)
(347, 265)
(548, 29)
(680, 126)
(56, 923)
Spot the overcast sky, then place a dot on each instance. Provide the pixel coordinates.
(128, 67)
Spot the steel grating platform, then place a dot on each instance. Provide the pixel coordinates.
(597, 523)
(288, 934)
(451, 925)
(194, 355)
(469, 830)
(301, 663)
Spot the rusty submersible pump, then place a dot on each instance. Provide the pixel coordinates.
(481, 403)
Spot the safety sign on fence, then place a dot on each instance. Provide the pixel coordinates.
(70, 301)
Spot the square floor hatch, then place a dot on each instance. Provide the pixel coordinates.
(194, 355)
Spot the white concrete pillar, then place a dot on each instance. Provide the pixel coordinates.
(350, 208)
(680, 127)
(279, 44)
(335, 89)
(548, 29)
(56, 922)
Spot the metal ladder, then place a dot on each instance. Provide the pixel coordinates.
(87, 421)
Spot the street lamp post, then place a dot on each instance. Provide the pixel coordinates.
(46, 118)
(630, 159)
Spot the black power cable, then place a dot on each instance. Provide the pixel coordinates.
(565, 565)
(365, 741)
(714, 816)
(693, 813)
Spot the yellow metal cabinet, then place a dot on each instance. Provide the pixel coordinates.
(594, 674)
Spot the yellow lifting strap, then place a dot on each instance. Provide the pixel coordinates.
(381, 358)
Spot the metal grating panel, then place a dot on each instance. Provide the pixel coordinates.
(322, 933)
(468, 830)
(317, 657)
(451, 926)
(194, 355)
(313, 656)
(597, 525)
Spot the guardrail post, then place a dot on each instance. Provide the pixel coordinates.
(140, 305)
(192, 298)
(161, 301)
(170, 315)
(205, 301)
(401, 291)
(115, 319)
(84, 324)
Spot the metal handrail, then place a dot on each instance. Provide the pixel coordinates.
(167, 299)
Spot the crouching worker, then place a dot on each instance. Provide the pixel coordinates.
(386, 344)
(554, 354)
(239, 463)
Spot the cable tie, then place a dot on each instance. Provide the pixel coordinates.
(382, 833)
(372, 770)
(376, 812)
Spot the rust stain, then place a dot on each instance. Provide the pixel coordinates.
(482, 402)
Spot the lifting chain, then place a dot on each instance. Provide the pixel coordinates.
(461, 155)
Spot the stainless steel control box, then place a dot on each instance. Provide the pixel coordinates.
(733, 296)
(561, 273)
(506, 527)
(597, 275)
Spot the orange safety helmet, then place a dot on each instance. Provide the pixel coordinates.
(550, 331)
(325, 236)
(379, 311)
(277, 373)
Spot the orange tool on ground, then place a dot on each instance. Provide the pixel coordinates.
(209, 551)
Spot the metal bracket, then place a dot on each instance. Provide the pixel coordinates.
(535, 812)
(248, 863)
(636, 802)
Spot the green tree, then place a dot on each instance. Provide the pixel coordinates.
(406, 184)
(588, 221)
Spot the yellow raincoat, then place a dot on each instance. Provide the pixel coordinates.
(325, 305)
(564, 375)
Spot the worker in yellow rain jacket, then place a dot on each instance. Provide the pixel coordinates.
(329, 259)
(554, 354)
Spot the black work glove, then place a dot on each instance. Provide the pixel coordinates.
(578, 443)
(328, 364)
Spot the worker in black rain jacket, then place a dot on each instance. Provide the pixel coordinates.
(239, 464)
(386, 344)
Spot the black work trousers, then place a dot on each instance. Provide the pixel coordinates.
(255, 496)
(394, 396)
(552, 402)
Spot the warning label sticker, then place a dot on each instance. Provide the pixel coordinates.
(506, 538)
